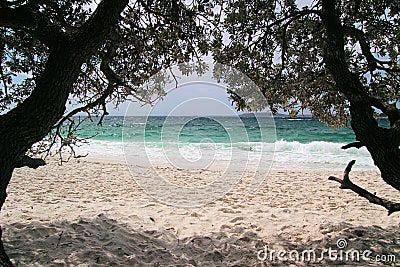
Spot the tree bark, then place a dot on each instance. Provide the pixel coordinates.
(381, 143)
(33, 119)
(5, 176)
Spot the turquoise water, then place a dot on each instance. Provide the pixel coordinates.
(302, 130)
(291, 142)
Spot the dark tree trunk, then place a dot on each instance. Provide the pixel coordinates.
(5, 176)
(33, 119)
(382, 143)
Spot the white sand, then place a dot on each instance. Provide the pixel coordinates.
(92, 213)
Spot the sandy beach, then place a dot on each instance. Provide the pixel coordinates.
(91, 212)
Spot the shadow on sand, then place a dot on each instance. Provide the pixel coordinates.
(105, 242)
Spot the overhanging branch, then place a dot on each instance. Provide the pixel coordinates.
(388, 69)
(19, 17)
(2, 74)
(389, 110)
(101, 23)
(354, 144)
(373, 62)
(295, 15)
(91, 105)
(24, 17)
(113, 82)
(345, 183)
(27, 161)
(291, 17)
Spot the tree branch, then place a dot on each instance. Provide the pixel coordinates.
(295, 15)
(359, 35)
(113, 81)
(96, 27)
(388, 69)
(354, 144)
(101, 23)
(27, 161)
(389, 110)
(97, 102)
(152, 11)
(292, 17)
(60, 17)
(19, 17)
(24, 17)
(3, 76)
(345, 183)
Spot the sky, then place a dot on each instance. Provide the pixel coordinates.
(195, 99)
(193, 95)
(198, 98)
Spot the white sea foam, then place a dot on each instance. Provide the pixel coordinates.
(286, 155)
(321, 154)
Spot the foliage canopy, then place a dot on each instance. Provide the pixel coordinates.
(281, 47)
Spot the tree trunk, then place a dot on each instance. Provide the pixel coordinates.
(381, 143)
(33, 119)
(5, 176)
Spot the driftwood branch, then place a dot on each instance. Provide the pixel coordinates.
(354, 144)
(27, 161)
(345, 183)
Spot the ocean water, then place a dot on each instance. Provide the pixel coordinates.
(201, 142)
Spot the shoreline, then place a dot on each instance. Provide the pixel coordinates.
(331, 168)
